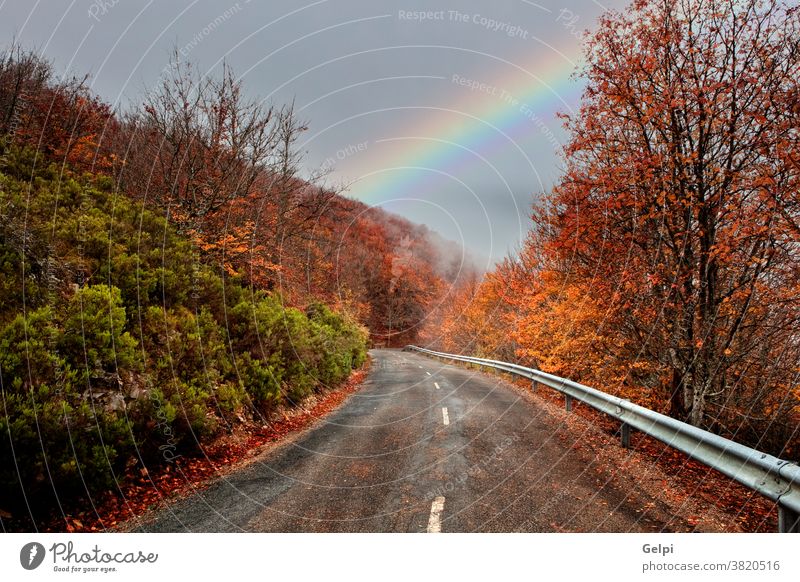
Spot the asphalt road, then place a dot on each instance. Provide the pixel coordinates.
(422, 446)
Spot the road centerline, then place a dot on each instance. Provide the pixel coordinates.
(435, 520)
(445, 416)
(436, 384)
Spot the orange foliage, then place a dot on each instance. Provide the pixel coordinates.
(664, 264)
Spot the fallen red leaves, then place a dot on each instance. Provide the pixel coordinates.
(143, 489)
(752, 512)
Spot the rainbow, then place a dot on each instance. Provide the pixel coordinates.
(486, 120)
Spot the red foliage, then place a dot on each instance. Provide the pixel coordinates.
(664, 264)
(59, 119)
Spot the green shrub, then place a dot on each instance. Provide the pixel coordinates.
(94, 331)
(55, 432)
(124, 343)
(340, 341)
(261, 380)
(185, 375)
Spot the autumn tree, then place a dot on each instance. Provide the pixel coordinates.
(678, 205)
(196, 143)
(664, 264)
(57, 117)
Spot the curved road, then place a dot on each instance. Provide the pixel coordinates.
(422, 446)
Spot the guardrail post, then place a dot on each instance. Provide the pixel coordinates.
(568, 402)
(534, 385)
(788, 520)
(625, 435)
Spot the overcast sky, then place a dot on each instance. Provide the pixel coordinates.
(443, 112)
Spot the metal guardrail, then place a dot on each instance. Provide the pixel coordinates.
(774, 478)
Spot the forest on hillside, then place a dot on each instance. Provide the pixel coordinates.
(172, 272)
(664, 266)
(167, 276)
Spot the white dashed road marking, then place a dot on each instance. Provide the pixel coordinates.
(435, 520)
(445, 416)
(436, 384)
(428, 373)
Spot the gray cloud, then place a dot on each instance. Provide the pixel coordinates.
(384, 85)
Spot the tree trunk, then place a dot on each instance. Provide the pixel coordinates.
(677, 408)
(698, 406)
